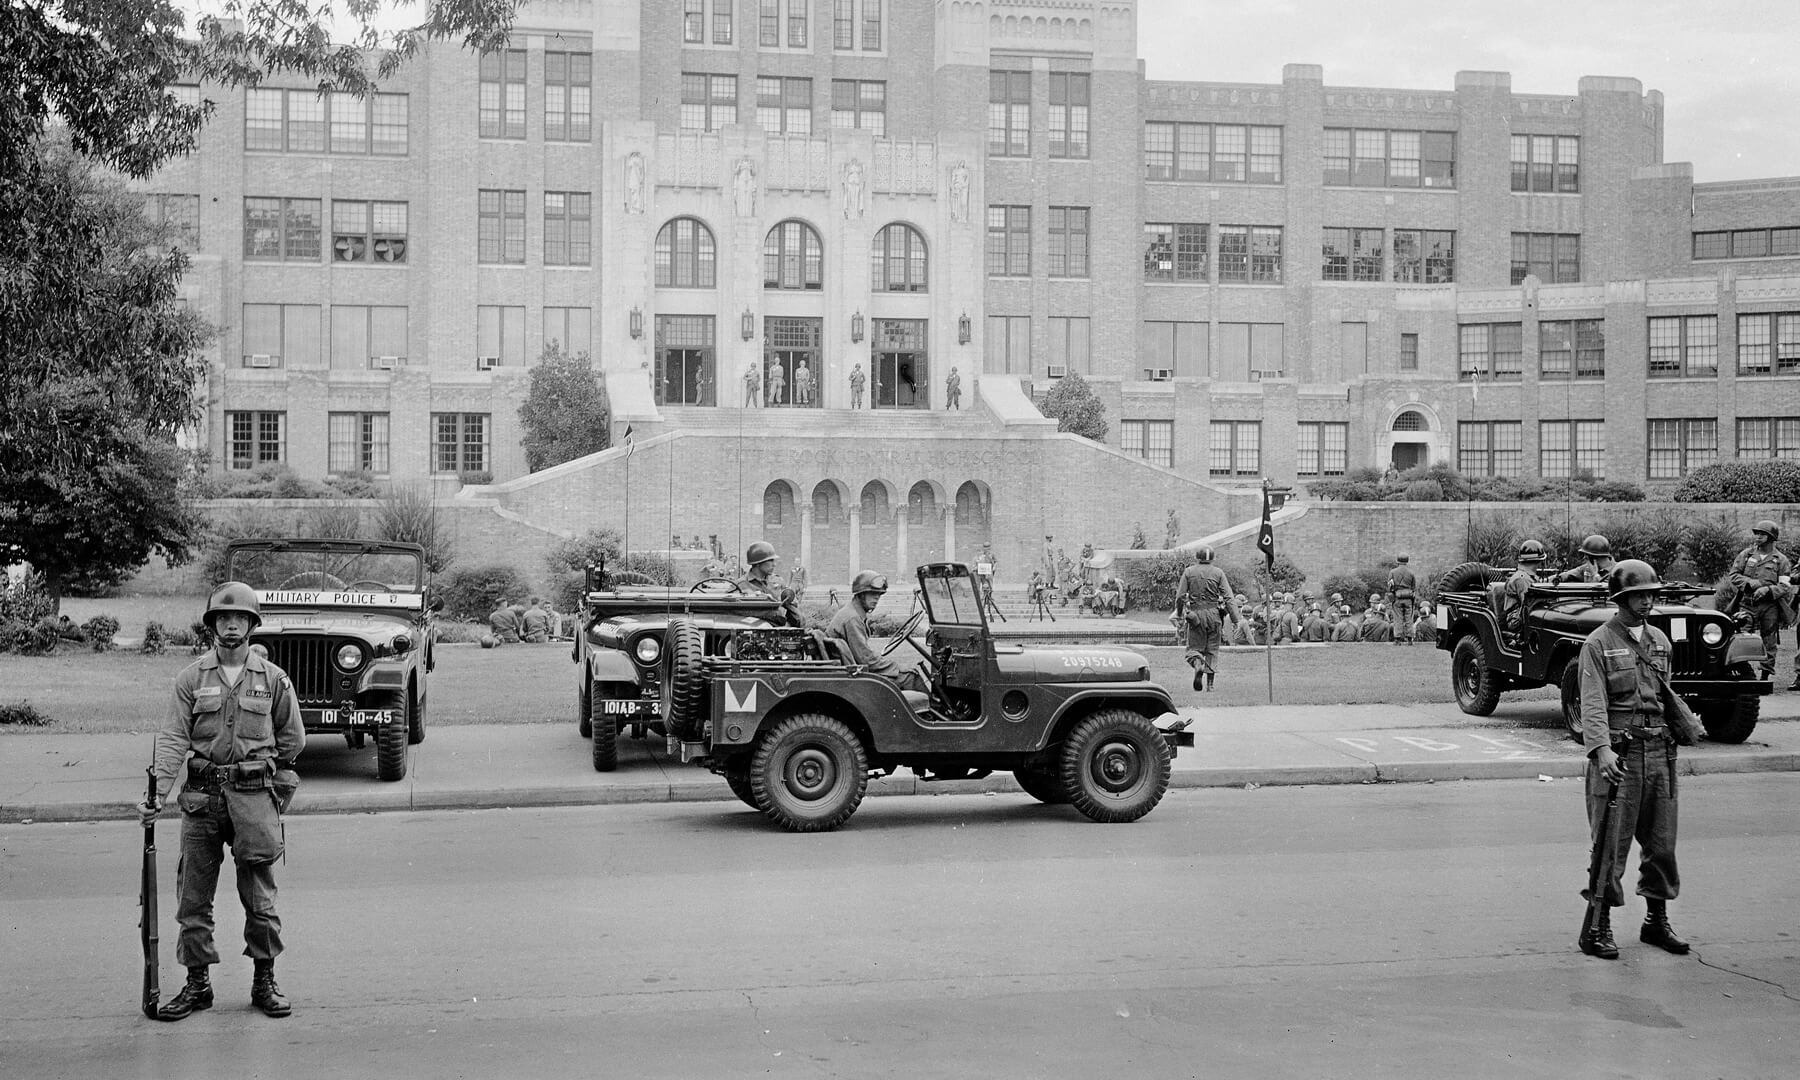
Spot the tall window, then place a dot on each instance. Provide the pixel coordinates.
(1747, 244)
(1175, 251)
(1424, 257)
(1769, 343)
(1009, 241)
(685, 257)
(1009, 113)
(358, 442)
(365, 337)
(569, 329)
(1769, 437)
(179, 214)
(1167, 349)
(871, 24)
(256, 438)
(499, 336)
(1575, 349)
(1555, 258)
(722, 21)
(304, 121)
(897, 260)
(1234, 448)
(1409, 352)
(1684, 346)
(1546, 163)
(1068, 115)
(1152, 440)
(1250, 351)
(793, 257)
(500, 226)
(1352, 254)
(569, 96)
(1214, 153)
(568, 228)
(1678, 447)
(693, 22)
(797, 21)
(502, 94)
(459, 442)
(282, 230)
(1489, 447)
(708, 102)
(1362, 158)
(1008, 344)
(784, 106)
(281, 336)
(1250, 254)
(1071, 342)
(844, 24)
(368, 232)
(859, 104)
(1068, 255)
(1322, 449)
(1567, 447)
(1491, 351)
(768, 24)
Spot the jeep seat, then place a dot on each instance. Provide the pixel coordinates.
(1496, 594)
(830, 648)
(917, 700)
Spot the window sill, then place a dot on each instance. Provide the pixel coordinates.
(1388, 190)
(1561, 194)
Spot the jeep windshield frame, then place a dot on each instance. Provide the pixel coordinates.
(951, 598)
(326, 564)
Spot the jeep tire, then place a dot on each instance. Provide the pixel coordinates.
(1730, 720)
(391, 737)
(1115, 766)
(738, 780)
(1475, 684)
(1469, 575)
(808, 773)
(683, 683)
(415, 718)
(1571, 697)
(1045, 787)
(603, 730)
(584, 714)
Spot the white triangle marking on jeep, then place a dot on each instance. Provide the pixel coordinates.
(736, 702)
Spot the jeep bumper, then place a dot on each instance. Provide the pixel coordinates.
(347, 718)
(1722, 689)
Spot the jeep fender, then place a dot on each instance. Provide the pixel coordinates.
(1083, 702)
(607, 665)
(1744, 649)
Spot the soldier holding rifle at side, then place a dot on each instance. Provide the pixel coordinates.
(1630, 722)
(236, 714)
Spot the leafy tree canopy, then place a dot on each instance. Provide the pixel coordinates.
(566, 414)
(1071, 402)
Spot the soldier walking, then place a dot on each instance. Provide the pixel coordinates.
(1203, 598)
(1761, 575)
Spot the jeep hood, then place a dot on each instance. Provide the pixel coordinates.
(1059, 664)
(368, 626)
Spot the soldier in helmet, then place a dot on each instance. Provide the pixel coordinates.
(850, 626)
(1596, 562)
(1630, 722)
(1403, 588)
(1761, 578)
(1530, 570)
(760, 579)
(235, 713)
(1204, 599)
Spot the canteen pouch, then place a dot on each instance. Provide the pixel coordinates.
(286, 784)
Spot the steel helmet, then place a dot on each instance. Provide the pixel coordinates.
(1632, 575)
(1403, 557)
(1337, 597)
(760, 552)
(868, 581)
(1374, 598)
(1766, 526)
(1203, 554)
(233, 596)
(1531, 551)
(1596, 545)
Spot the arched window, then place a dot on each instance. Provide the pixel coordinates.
(1410, 420)
(874, 504)
(778, 504)
(793, 257)
(897, 260)
(921, 504)
(828, 506)
(969, 508)
(685, 256)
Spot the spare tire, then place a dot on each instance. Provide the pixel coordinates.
(1470, 575)
(683, 684)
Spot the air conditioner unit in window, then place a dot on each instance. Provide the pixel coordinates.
(260, 360)
(486, 363)
(1057, 371)
(1161, 374)
(387, 363)
(1258, 376)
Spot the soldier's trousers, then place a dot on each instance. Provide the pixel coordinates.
(1406, 613)
(1203, 639)
(1768, 623)
(1647, 814)
(206, 829)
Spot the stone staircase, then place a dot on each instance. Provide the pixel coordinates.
(862, 423)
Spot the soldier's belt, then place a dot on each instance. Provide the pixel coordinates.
(1639, 734)
(211, 778)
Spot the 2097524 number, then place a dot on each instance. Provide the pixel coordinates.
(1083, 661)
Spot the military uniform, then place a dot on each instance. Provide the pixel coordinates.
(752, 585)
(1591, 571)
(851, 626)
(1203, 597)
(1750, 572)
(1403, 587)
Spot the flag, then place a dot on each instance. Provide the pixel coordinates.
(1266, 538)
(1475, 388)
(629, 445)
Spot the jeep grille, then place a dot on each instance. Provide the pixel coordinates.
(1688, 658)
(307, 661)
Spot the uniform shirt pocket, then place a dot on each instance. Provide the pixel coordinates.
(253, 717)
(1621, 675)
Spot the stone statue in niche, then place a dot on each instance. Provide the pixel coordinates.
(634, 183)
(853, 190)
(743, 187)
(959, 193)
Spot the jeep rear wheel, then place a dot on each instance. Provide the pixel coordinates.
(1571, 697)
(1477, 687)
(390, 740)
(683, 685)
(1732, 720)
(415, 720)
(1115, 766)
(808, 773)
(739, 781)
(603, 730)
(1042, 786)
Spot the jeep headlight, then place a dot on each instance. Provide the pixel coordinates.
(400, 644)
(349, 658)
(648, 649)
(1712, 633)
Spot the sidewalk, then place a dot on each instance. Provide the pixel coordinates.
(92, 777)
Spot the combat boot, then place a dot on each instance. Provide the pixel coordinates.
(1658, 932)
(1597, 940)
(196, 995)
(264, 994)
(1209, 680)
(1199, 678)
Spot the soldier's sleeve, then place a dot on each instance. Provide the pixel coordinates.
(1595, 732)
(290, 731)
(1737, 569)
(172, 739)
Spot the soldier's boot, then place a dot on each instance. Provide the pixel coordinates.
(1658, 932)
(264, 994)
(196, 995)
(1795, 685)
(1597, 940)
(1199, 678)
(1209, 680)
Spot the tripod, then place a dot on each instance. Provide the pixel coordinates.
(987, 599)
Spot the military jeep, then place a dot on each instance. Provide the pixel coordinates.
(797, 730)
(351, 624)
(1714, 666)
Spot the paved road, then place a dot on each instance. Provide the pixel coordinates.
(1404, 930)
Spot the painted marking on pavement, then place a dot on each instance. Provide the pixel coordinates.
(1504, 748)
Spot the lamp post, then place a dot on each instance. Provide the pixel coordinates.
(637, 323)
(962, 329)
(748, 324)
(856, 327)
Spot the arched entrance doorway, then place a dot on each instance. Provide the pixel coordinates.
(1410, 440)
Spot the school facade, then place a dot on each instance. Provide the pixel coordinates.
(780, 218)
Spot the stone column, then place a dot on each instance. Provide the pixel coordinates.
(949, 513)
(806, 513)
(855, 515)
(902, 567)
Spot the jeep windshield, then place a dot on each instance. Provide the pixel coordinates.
(337, 567)
(950, 595)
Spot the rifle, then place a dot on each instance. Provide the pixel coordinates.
(1600, 862)
(147, 918)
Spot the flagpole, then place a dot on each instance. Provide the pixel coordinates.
(625, 548)
(1265, 539)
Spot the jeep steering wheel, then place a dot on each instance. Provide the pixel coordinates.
(721, 585)
(312, 579)
(905, 635)
(378, 586)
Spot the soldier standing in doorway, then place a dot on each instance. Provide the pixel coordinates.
(752, 386)
(803, 383)
(857, 381)
(777, 382)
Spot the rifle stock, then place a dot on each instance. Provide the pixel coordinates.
(147, 917)
(1601, 860)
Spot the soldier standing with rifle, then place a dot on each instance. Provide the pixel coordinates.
(1203, 599)
(237, 715)
(1630, 722)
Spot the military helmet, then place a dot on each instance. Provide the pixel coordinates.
(1532, 551)
(1632, 575)
(1337, 597)
(868, 581)
(1596, 545)
(1203, 554)
(1768, 527)
(233, 596)
(760, 552)
(1403, 557)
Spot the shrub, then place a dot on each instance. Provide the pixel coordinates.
(26, 600)
(1741, 482)
(358, 485)
(1072, 404)
(567, 561)
(244, 525)
(1251, 576)
(452, 633)
(332, 521)
(198, 636)
(1711, 544)
(1654, 537)
(409, 515)
(101, 629)
(1492, 539)
(39, 638)
(156, 639)
(475, 479)
(1611, 491)
(1152, 581)
(23, 714)
(472, 592)
(10, 631)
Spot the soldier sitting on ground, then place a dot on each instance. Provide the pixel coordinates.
(1284, 625)
(1349, 624)
(535, 623)
(1313, 628)
(504, 624)
(1376, 626)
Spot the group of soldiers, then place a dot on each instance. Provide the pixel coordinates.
(772, 388)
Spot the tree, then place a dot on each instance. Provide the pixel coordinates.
(566, 414)
(1075, 408)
